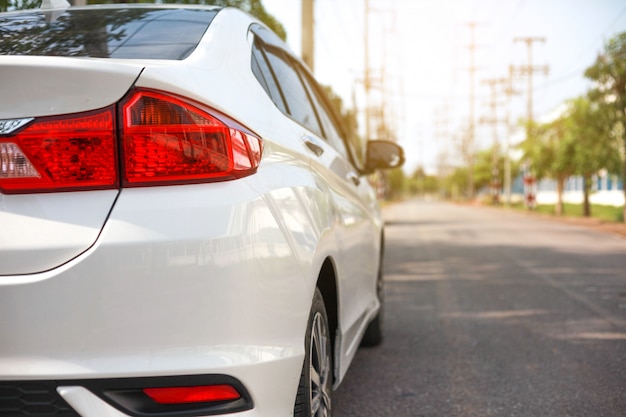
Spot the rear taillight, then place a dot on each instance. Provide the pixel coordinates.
(169, 140)
(163, 140)
(75, 152)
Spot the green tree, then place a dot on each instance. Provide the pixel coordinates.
(421, 183)
(550, 155)
(489, 171)
(609, 75)
(456, 182)
(588, 133)
(578, 142)
(395, 182)
(483, 169)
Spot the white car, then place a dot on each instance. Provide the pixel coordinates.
(185, 227)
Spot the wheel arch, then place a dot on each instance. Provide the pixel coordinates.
(327, 284)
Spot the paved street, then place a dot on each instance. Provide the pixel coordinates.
(497, 313)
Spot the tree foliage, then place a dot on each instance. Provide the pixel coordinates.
(578, 142)
(588, 129)
(549, 152)
(489, 171)
(421, 183)
(483, 169)
(546, 151)
(609, 94)
(589, 135)
(455, 182)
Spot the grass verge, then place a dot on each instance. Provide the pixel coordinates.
(604, 213)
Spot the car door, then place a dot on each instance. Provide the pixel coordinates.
(356, 225)
(358, 231)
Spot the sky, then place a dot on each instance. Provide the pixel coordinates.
(419, 57)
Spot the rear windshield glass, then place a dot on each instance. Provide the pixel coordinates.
(131, 33)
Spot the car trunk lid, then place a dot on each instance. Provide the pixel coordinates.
(42, 231)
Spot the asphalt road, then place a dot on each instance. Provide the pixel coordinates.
(494, 313)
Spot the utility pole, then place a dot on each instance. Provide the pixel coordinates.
(493, 120)
(529, 70)
(374, 84)
(469, 146)
(442, 135)
(507, 158)
(308, 33)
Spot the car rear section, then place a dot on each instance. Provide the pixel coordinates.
(155, 252)
(42, 155)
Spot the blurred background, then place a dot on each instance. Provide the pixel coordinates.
(456, 81)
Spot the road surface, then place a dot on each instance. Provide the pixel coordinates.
(497, 313)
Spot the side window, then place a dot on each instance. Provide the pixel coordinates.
(331, 132)
(299, 106)
(296, 93)
(263, 74)
(357, 150)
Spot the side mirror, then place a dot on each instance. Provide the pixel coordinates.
(383, 154)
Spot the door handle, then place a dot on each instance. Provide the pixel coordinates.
(313, 145)
(356, 180)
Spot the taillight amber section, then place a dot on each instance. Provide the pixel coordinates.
(64, 153)
(169, 140)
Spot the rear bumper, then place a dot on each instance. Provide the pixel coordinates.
(124, 397)
(216, 292)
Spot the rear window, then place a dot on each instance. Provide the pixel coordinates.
(130, 33)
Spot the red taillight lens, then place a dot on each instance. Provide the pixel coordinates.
(169, 140)
(63, 153)
(164, 140)
(185, 395)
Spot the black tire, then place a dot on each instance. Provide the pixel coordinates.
(315, 388)
(374, 333)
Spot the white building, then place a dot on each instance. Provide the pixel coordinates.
(607, 190)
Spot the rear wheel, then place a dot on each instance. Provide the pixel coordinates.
(314, 390)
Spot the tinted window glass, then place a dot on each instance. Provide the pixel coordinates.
(263, 73)
(356, 148)
(132, 33)
(298, 104)
(331, 132)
